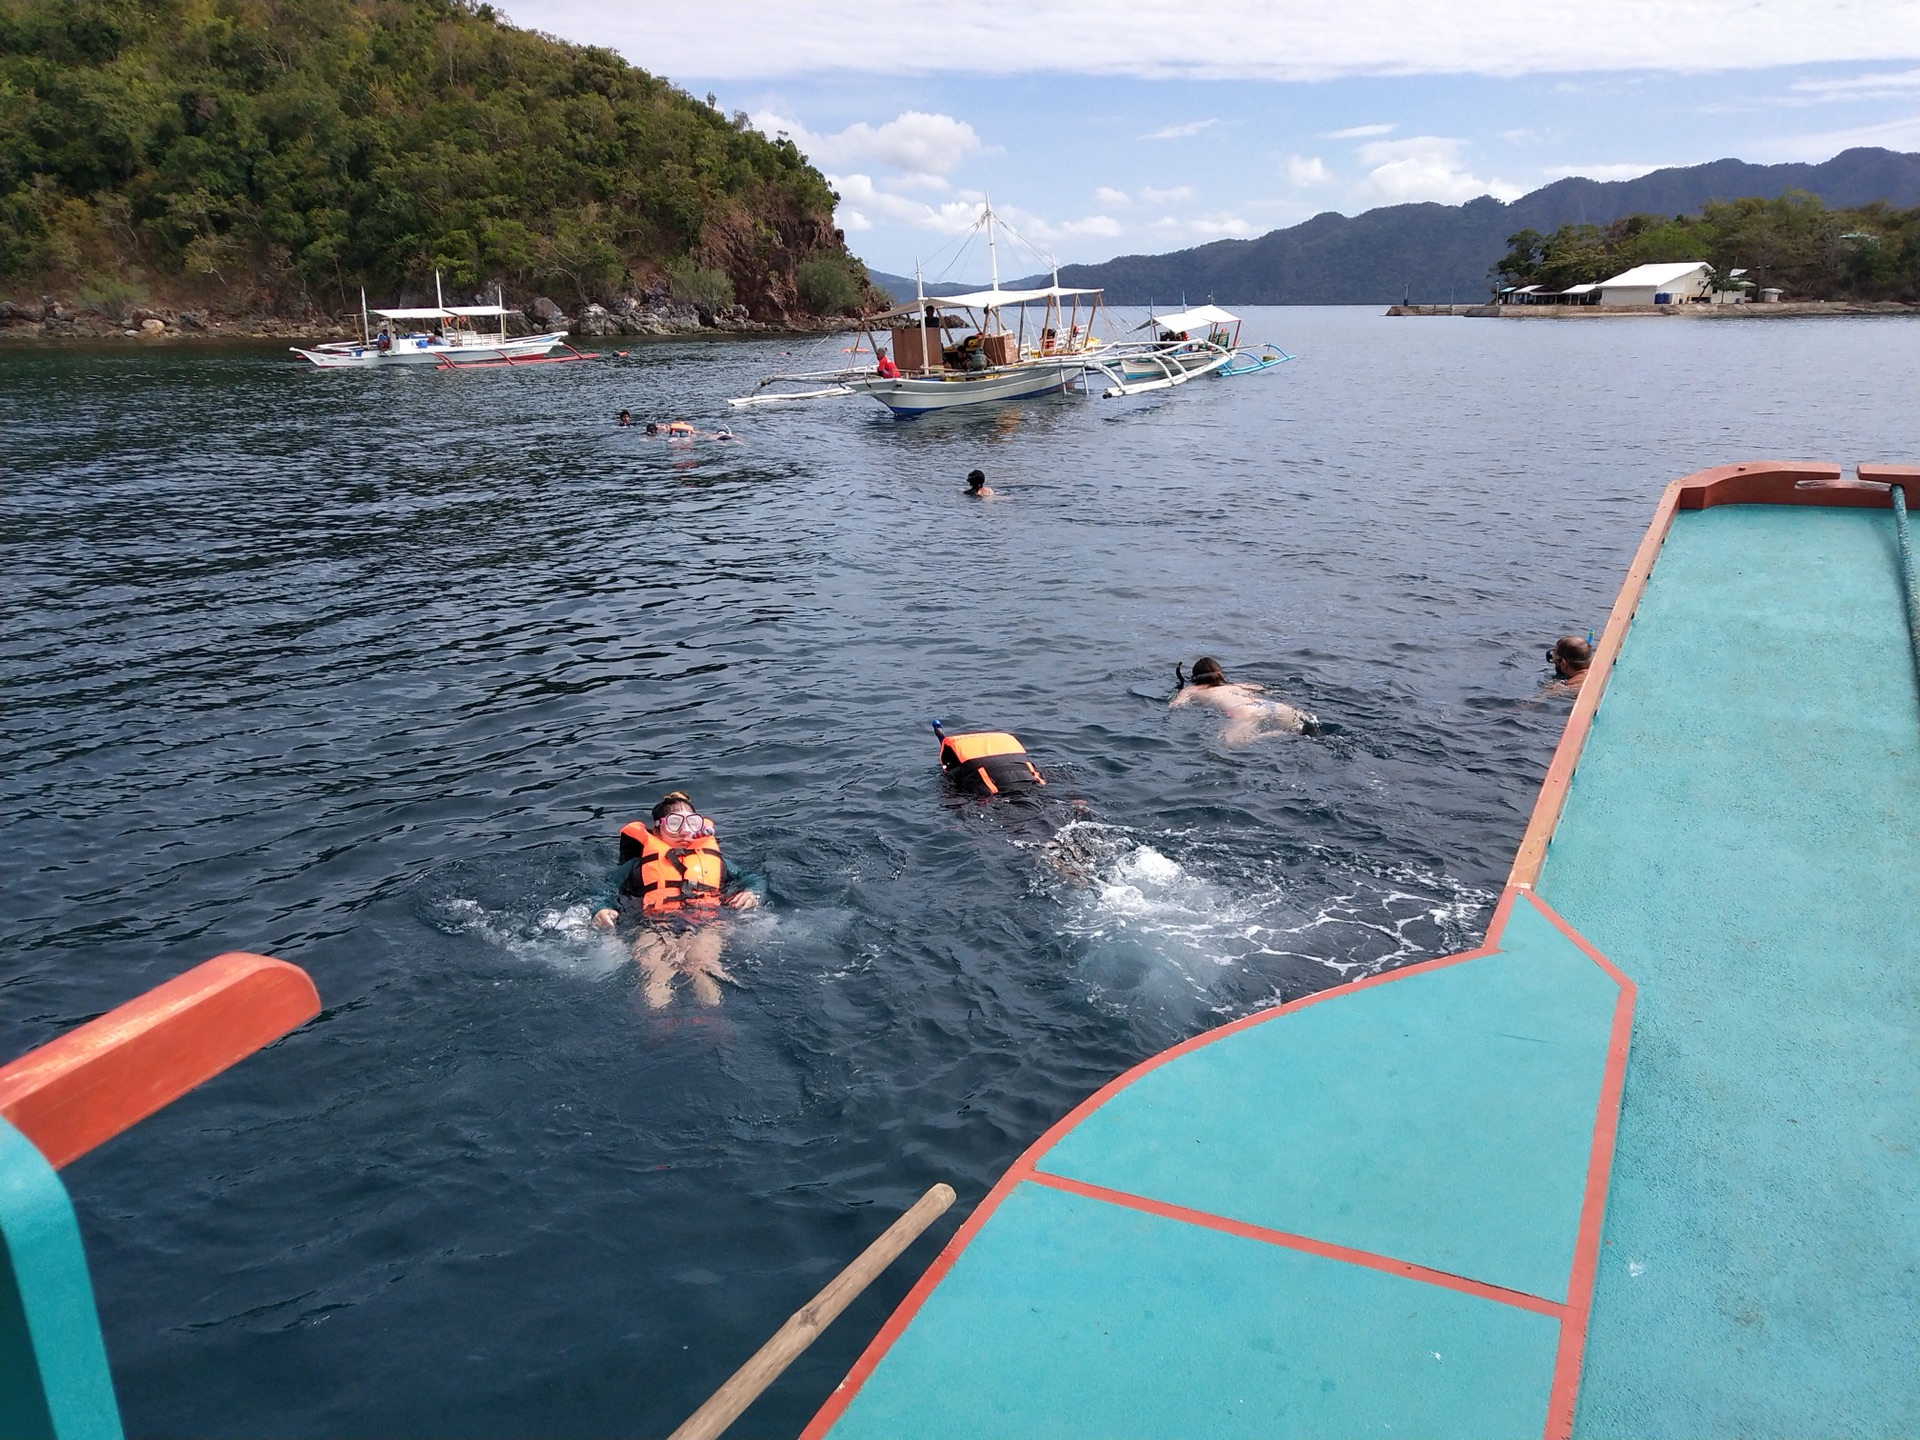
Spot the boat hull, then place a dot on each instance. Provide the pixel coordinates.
(419, 350)
(910, 396)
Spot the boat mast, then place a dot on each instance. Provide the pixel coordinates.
(920, 316)
(366, 330)
(993, 255)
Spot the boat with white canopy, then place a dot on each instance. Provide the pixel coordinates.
(949, 351)
(1203, 340)
(445, 336)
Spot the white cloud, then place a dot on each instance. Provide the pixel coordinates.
(1425, 167)
(927, 147)
(1038, 231)
(1239, 39)
(1203, 227)
(1308, 170)
(1624, 170)
(1166, 197)
(1882, 85)
(1106, 195)
(1901, 134)
(1181, 132)
(1359, 132)
(862, 204)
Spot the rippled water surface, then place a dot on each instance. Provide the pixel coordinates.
(365, 671)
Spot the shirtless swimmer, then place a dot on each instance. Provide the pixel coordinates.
(1250, 714)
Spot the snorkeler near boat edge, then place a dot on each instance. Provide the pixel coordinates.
(1250, 713)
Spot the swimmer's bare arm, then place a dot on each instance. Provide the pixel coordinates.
(605, 919)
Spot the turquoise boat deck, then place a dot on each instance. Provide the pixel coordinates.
(1647, 1164)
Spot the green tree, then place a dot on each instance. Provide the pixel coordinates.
(310, 146)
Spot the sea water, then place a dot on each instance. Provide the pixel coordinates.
(366, 670)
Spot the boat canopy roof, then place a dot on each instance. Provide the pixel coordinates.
(444, 312)
(985, 300)
(1188, 319)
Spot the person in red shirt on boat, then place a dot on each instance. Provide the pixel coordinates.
(677, 882)
(885, 367)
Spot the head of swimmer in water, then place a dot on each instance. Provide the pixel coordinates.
(976, 480)
(1570, 656)
(1207, 671)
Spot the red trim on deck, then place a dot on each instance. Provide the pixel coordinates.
(1206, 1220)
(86, 1086)
(1568, 1358)
(1572, 1316)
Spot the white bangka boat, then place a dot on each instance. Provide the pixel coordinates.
(440, 335)
(950, 351)
(1176, 355)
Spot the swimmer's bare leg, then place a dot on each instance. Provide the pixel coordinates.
(653, 955)
(702, 963)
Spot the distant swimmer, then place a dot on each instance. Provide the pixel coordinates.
(1570, 658)
(626, 417)
(674, 881)
(724, 434)
(653, 427)
(1250, 714)
(977, 485)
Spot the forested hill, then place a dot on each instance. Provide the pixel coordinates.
(279, 154)
(1435, 252)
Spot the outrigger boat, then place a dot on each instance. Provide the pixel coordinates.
(441, 335)
(1174, 356)
(950, 351)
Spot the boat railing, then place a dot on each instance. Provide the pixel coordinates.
(72, 1094)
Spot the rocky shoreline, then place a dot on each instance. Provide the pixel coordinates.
(652, 313)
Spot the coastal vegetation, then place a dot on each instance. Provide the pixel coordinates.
(1793, 242)
(278, 155)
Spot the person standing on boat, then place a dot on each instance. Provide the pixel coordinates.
(885, 368)
(1250, 714)
(674, 881)
(1570, 658)
(977, 486)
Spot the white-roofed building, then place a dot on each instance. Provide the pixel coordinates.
(1673, 283)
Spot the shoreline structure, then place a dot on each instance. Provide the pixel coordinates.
(1772, 310)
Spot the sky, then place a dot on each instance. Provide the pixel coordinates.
(1109, 127)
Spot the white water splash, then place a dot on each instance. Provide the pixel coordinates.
(1211, 911)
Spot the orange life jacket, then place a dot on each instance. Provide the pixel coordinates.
(990, 762)
(672, 876)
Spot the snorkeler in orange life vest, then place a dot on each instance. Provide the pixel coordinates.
(987, 762)
(672, 875)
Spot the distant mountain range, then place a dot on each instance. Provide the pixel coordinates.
(1431, 253)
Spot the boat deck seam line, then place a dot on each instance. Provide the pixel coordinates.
(1405, 1269)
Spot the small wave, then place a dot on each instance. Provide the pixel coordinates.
(561, 939)
(1167, 912)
